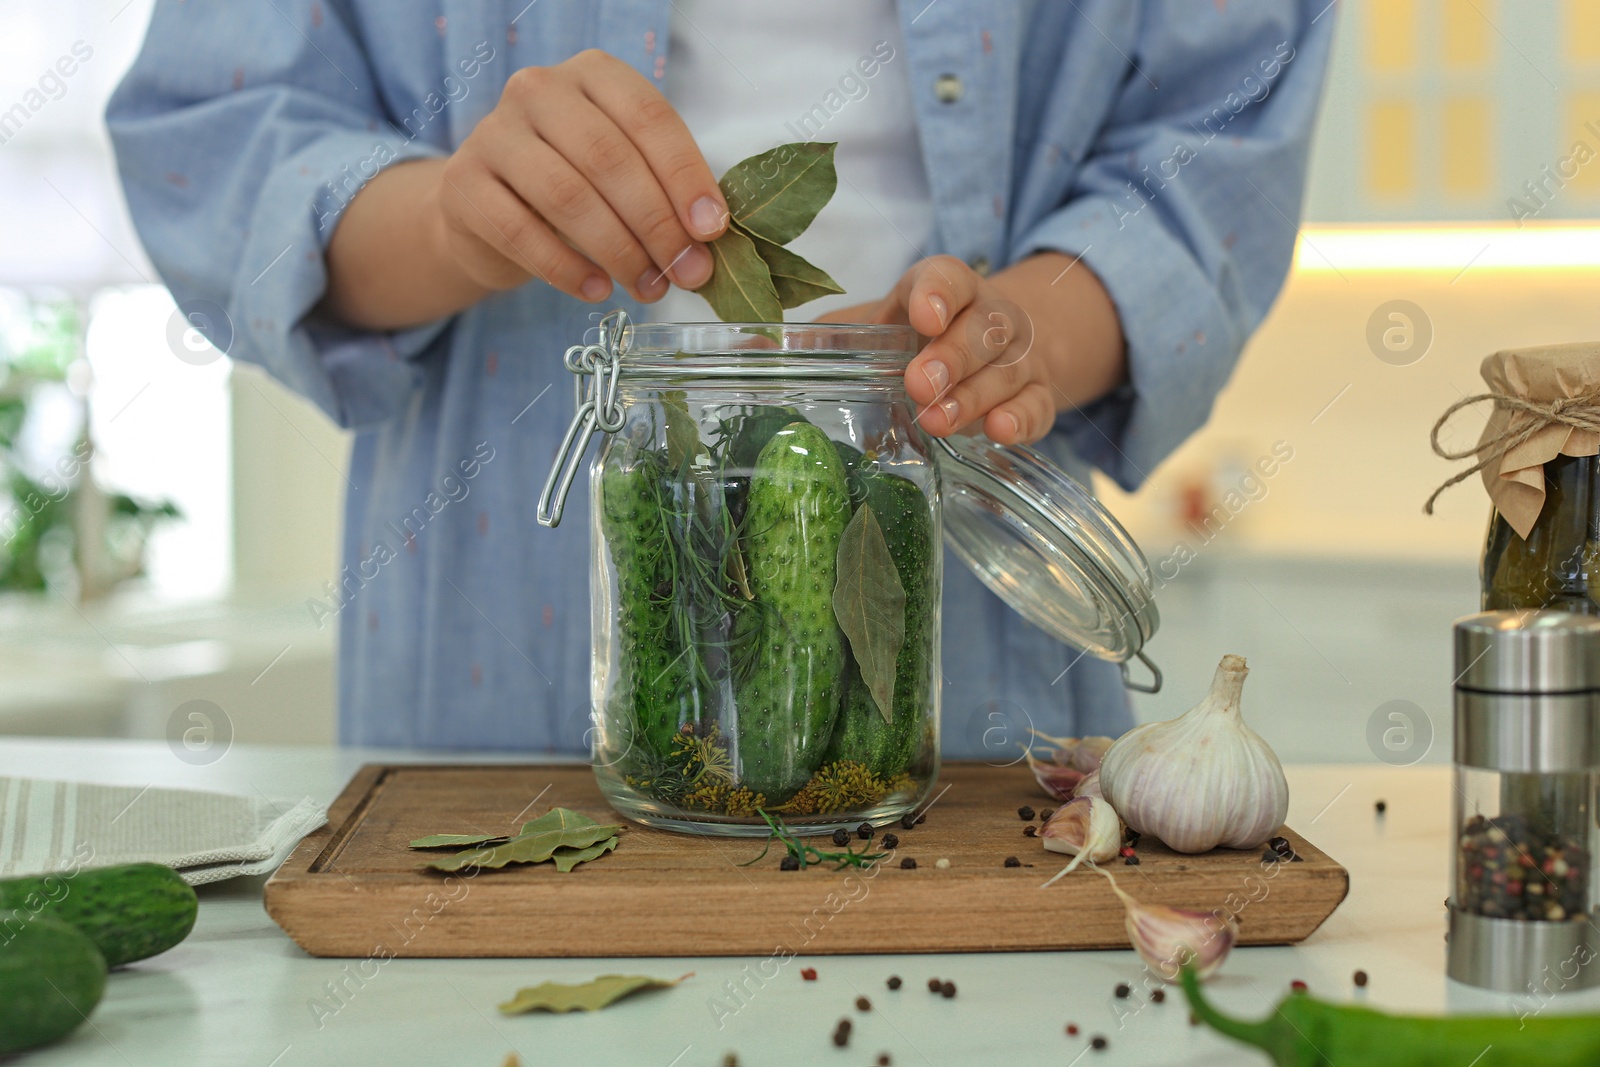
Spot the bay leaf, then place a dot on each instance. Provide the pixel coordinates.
(777, 193)
(457, 840)
(584, 996)
(568, 858)
(557, 828)
(740, 288)
(682, 432)
(796, 279)
(870, 605)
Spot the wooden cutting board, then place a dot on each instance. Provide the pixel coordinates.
(354, 889)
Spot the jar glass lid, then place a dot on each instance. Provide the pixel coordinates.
(1044, 545)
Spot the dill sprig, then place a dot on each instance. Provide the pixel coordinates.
(808, 855)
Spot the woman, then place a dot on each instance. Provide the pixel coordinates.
(408, 210)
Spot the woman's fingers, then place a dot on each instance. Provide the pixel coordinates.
(1024, 418)
(586, 139)
(502, 243)
(639, 110)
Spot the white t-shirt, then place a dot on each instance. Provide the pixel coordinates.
(747, 77)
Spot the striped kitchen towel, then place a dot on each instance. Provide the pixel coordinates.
(206, 837)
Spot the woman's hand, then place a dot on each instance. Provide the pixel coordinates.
(581, 174)
(1005, 354)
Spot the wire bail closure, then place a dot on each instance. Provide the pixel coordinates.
(597, 409)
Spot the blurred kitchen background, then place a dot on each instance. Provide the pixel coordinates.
(160, 589)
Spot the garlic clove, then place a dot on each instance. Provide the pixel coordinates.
(1088, 752)
(1090, 786)
(1056, 779)
(1166, 937)
(1202, 780)
(1085, 828)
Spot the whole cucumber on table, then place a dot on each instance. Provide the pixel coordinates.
(652, 686)
(51, 978)
(130, 911)
(887, 747)
(1305, 1032)
(787, 702)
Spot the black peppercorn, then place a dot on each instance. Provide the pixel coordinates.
(1122, 990)
(1030, 831)
(1099, 1043)
(908, 864)
(1024, 812)
(1130, 861)
(864, 831)
(894, 981)
(1158, 995)
(1380, 807)
(841, 836)
(934, 985)
(863, 1004)
(947, 990)
(1281, 845)
(841, 1037)
(1044, 816)
(891, 841)
(921, 819)
(908, 820)
(789, 863)
(883, 1059)
(1360, 978)
(731, 1060)
(1012, 861)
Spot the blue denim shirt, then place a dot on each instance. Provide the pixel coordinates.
(1163, 141)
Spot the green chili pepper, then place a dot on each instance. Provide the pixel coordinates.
(1305, 1032)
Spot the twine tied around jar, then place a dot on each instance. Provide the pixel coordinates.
(1575, 412)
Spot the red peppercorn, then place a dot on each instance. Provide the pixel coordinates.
(1298, 986)
(1124, 851)
(808, 973)
(1072, 1029)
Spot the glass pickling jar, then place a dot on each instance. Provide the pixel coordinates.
(768, 521)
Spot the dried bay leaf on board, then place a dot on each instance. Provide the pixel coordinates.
(740, 288)
(796, 279)
(869, 603)
(457, 840)
(557, 828)
(585, 996)
(567, 858)
(777, 193)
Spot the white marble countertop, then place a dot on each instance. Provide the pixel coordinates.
(239, 993)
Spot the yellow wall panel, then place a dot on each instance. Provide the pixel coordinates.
(1392, 35)
(1392, 148)
(1581, 29)
(1583, 119)
(1466, 36)
(1466, 141)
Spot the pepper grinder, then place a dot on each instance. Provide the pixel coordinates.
(1527, 763)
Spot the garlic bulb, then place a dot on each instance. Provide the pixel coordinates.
(1201, 780)
(1085, 828)
(1167, 938)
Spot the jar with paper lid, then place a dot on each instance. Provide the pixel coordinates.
(1527, 756)
(767, 523)
(1537, 455)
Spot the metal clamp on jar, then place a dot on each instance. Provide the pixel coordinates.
(1527, 755)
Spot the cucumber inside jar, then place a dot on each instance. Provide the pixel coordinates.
(734, 687)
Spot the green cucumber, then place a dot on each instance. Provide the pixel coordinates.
(131, 911)
(798, 509)
(652, 686)
(862, 735)
(51, 978)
